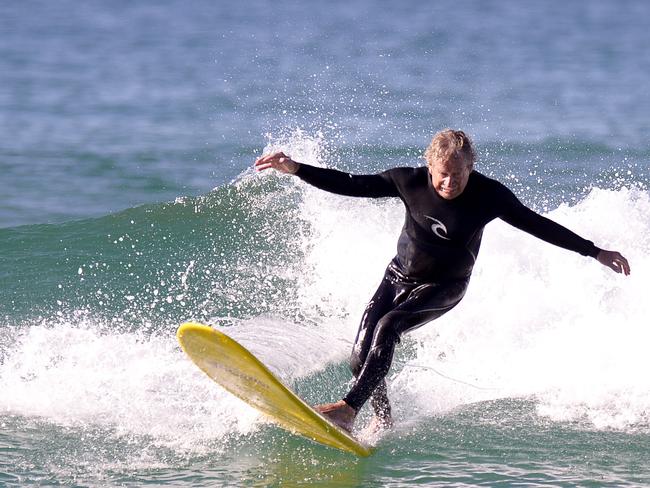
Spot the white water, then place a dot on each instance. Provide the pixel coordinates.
(78, 376)
(138, 385)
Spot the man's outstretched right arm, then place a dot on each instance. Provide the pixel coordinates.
(331, 180)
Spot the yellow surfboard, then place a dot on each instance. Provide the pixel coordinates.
(242, 374)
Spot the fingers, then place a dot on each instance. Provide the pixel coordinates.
(615, 261)
(623, 264)
(262, 166)
(269, 159)
(279, 161)
(619, 263)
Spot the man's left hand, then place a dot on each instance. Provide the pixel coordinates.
(614, 260)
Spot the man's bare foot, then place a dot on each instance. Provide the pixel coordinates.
(339, 413)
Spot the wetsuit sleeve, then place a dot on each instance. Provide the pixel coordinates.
(518, 215)
(334, 181)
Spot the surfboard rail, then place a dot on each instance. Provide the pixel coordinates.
(238, 371)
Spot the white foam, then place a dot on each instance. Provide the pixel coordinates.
(130, 384)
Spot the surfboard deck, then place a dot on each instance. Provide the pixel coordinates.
(238, 371)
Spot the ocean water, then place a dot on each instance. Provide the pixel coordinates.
(127, 135)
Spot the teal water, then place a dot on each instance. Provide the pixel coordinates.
(127, 134)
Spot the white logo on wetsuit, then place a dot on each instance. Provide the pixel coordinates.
(438, 228)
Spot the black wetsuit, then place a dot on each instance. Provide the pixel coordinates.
(436, 252)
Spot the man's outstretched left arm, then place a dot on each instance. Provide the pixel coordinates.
(520, 216)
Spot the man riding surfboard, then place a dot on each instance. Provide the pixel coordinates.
(447, 204)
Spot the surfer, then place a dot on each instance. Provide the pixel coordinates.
(447, 204)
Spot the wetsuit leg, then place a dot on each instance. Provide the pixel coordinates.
(422, 304)
(389, 295)
(385, 299)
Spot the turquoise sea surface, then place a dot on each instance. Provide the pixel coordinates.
(128, 206)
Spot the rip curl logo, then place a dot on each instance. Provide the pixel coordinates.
(438, 228)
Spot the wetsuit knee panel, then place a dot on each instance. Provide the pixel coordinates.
(388, 329)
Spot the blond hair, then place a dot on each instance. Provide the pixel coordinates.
(448, 144)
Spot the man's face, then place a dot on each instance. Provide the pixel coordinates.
(449, 176)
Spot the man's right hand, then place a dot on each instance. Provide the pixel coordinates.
(278, 161)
